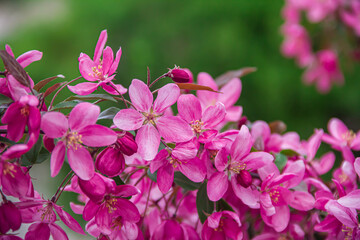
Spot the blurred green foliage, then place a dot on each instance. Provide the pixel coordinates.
(209, 36)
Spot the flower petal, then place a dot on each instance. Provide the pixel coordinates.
(165, 178)
(97, 136)
(242, 144)
(167, 96)
(174, 129)
(57, 158)
(257, 160)
(337, 128)
(87, 67)
(140, 96)
(82, 115)
(189, 108)
(57, 232)
(194, 169)
(31, 56)
(207, 98)
(54, 124)
(115, 64)
(213, 115)
(81, 162)
(108, 58)
(230, 92)
(83, 88)
(68, 220)
(217, 186)
(248, 196)
(351, 200)
(148, 141)
(100, 45)
(128, 119)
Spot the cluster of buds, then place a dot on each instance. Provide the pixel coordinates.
(187, 165)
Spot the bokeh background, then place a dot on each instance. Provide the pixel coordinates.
(204, 36)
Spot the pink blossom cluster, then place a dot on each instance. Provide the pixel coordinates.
(169, 165)
(331, 19)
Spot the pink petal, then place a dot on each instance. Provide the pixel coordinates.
(213, 115)
(194, 169)
(297, 168)
(159, 160)
(148, 141)
(314, 144)
(184, 151)
(217, 186)
(165, 178)
(257, 160)
(128, 119)
(351, 200)
(109, 87)
(81, 163)
(167, 96)
(357, 166)
(345, 215)
(108, 58)
(125, 191)
(266, 204)
(57, 232)
(242, 144)
(221, 159)
(97, 136)
(280, 220)
(68, 220)
(82, 115)
(83, 88)
(54, 124)
(174, 129)
(246, 195)
(31, 56)
(230, 92)
(95, 188)
(337, 128)
(38, 231)
(90, 210)
(347, 154)
(34, 119)
(302, 201)
(207, 98)
(100, 45)
(77, 208)
(233, 113)
(326, 163)
(87, 67)
(140, 96)
(189, 108)
(57, 158)
(115, 64)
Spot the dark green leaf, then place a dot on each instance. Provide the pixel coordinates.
(109, 113)
(5, 100)
(15, 69)
(280, 161)
(32, 156)
(91, 97)
(65, 105)
(203, 205)
(222, 205)
(118, 180)
(152, 176)
(6, 141)
(289, 153)
(42, 83)
(181, 180)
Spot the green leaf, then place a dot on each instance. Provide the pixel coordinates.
(280, 161)
(109, 113)
(152, 176)
(65, 105)
(118, 180)
(91, 97)
(181, 180)
(33, 156)
(203, 205)
(6, 141)
(5, 100)
(289, 152)
(222, 205)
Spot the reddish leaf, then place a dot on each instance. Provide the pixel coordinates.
(226, 77)
(15, 69)
(42, 83)
(52, 89)
(192, 86)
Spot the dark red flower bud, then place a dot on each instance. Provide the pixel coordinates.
(242, 121)
(244, 178)
(95, 188)
(48, 143)
(179, 75)
(10, 217)
(127, 144)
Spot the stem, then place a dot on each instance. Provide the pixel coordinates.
(130, 174)
(162, 76)
(52, 100)
(122, 97)
(64, 188)
(177, 207)
(63, 181)
(141, 178)
(148, 76)
(124, 100)
(147, 199)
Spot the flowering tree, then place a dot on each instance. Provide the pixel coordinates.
(205, 172)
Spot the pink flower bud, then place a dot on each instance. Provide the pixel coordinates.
(244, 178)
(48, 143)
(10, 217)
(127, 144)
(179, 75)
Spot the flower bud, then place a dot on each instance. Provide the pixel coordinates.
(127, 144)
(10, 217)
(179, 75)
(244, 178)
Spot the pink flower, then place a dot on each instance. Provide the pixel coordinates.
(101, 70)
(263, 139)
(182, 157)
(80, 129)
(352, 18)
(171, 229)
(222, 225)
(229, 95)
(149, 118)
(324, 70)
(317, 10)
(240, 162)
(21, 113)
(10, 217)
(9, 86)
(342, 139)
